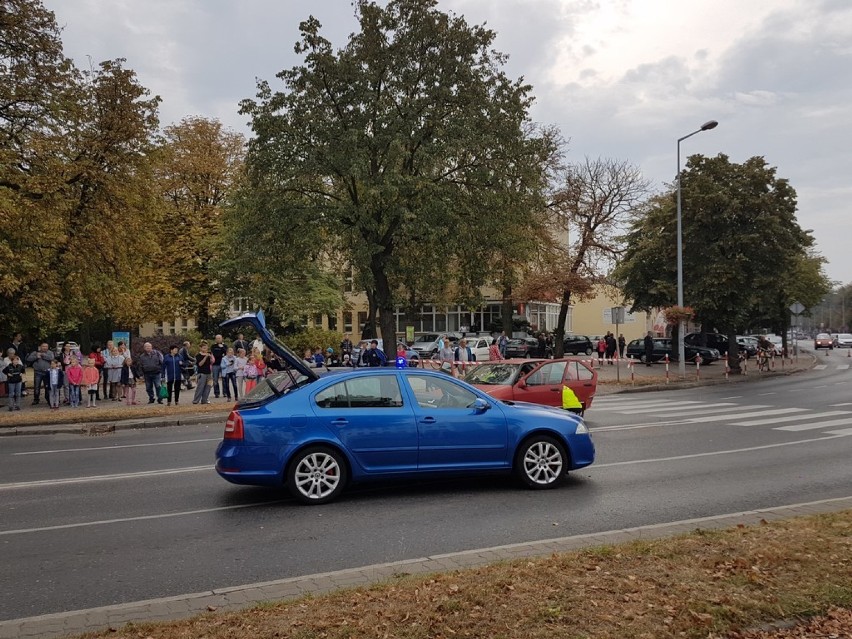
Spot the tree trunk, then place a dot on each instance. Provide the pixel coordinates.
(559, 333)
(384, 303)
(508, 310)
(733, 352)
(368, 331)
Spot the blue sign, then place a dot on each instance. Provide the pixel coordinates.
(121, 336)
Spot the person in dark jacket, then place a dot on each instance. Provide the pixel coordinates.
(172, 374)
(14, 373)
(151, 363)
(622, 344)
(611, 346)
(649, 348)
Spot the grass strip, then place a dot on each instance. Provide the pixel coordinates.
(704, 584)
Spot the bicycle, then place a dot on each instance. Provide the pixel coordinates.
(763, 360)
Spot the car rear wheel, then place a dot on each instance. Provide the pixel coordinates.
(541, 462)
(588, 351)
(317, 475)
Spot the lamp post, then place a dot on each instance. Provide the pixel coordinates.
(681, 351)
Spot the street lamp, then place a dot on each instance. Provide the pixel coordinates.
(681, 351)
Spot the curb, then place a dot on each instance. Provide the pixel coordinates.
(240, 597)
(102, 428)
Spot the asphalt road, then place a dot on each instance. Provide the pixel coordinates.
(96, 521)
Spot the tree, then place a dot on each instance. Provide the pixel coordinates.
(198, 167)
(742, 245)
(593, 206)
(389, 147)
(74, 181)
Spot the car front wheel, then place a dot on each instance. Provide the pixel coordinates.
(541, 462)
(317, 475)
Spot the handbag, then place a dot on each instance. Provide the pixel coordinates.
(163, 393)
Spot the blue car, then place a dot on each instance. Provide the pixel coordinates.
(316, 432)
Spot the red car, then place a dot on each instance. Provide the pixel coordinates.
(538, 381)
(823, 340)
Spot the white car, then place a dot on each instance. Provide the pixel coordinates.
(479, 347)
(843, 340)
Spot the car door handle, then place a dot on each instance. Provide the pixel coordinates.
(340, 421)
(427, 420)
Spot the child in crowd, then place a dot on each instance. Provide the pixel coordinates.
(308, 357)
(74, 377)
(229, 374)
(91, 377)
(14, 372)
(259, 362)
(251, 373)
(239, 371)
(55, 382)
(128, 381)
(319, 359)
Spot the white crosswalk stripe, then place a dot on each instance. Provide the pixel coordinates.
(820, 367)
(795, 428)
(747, 415)
(793, 418)
(843, 367)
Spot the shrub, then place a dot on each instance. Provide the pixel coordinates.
(313, 338)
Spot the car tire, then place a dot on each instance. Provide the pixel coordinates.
(588, 351)
(317, 475)
(541, 462)
(643, 358)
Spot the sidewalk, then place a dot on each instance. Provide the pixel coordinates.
(612, 378)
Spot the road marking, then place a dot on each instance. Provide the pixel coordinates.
(84, 524)
(795, 428)
(773, 393)
(647, 404)
(719, 418)
(843, 367)
(820, 367)
(733, 397)
(716, 453)
(841, 432)
(633, 426)
(793, 418)
(663, 409)
(841, 404)
(94, 478)
(77, 450)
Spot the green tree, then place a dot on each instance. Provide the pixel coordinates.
(389, 146)
(74, 182)
(742, 246)
(198, 167)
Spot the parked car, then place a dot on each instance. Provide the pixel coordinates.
(538, 381)
(522, 347)
(577, 344)
(426, 344)
(823, 340)
(713, 340)
(479, 346)
(664, 346)
(316, 433)
(58, 349)
(843, 340)
(747, 345)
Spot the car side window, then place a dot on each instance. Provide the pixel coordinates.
(583, 373)
(436, 393)
(380, 391)
(333, 397)
(547, 375)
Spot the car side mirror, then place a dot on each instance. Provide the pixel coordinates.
(480, 405)
(522, 383)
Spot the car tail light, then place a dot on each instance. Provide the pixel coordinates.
(234, 426)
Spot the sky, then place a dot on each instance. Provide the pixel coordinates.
(621, 79)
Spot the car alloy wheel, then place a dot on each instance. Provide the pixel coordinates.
(317, 475)
(588, 351)
(541, 462)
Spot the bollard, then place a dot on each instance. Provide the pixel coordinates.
(727, 368)
(630, 365)
(698, 367)
(667, 368)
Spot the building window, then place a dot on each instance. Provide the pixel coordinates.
(332, 322)
(362, 319)
(348, 282)
(318, 320)
(347, 321)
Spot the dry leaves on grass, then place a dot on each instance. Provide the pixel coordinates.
(835, 624)
(706, 584)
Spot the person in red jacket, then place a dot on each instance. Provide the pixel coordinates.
(74, 376)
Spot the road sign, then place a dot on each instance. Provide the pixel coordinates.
(796, 308)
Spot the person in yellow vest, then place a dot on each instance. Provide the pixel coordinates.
(570, 401)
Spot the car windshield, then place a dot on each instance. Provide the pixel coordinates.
(493, 374)
(845, 336)
(278, 384)
(823, 336)
(426, 339)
